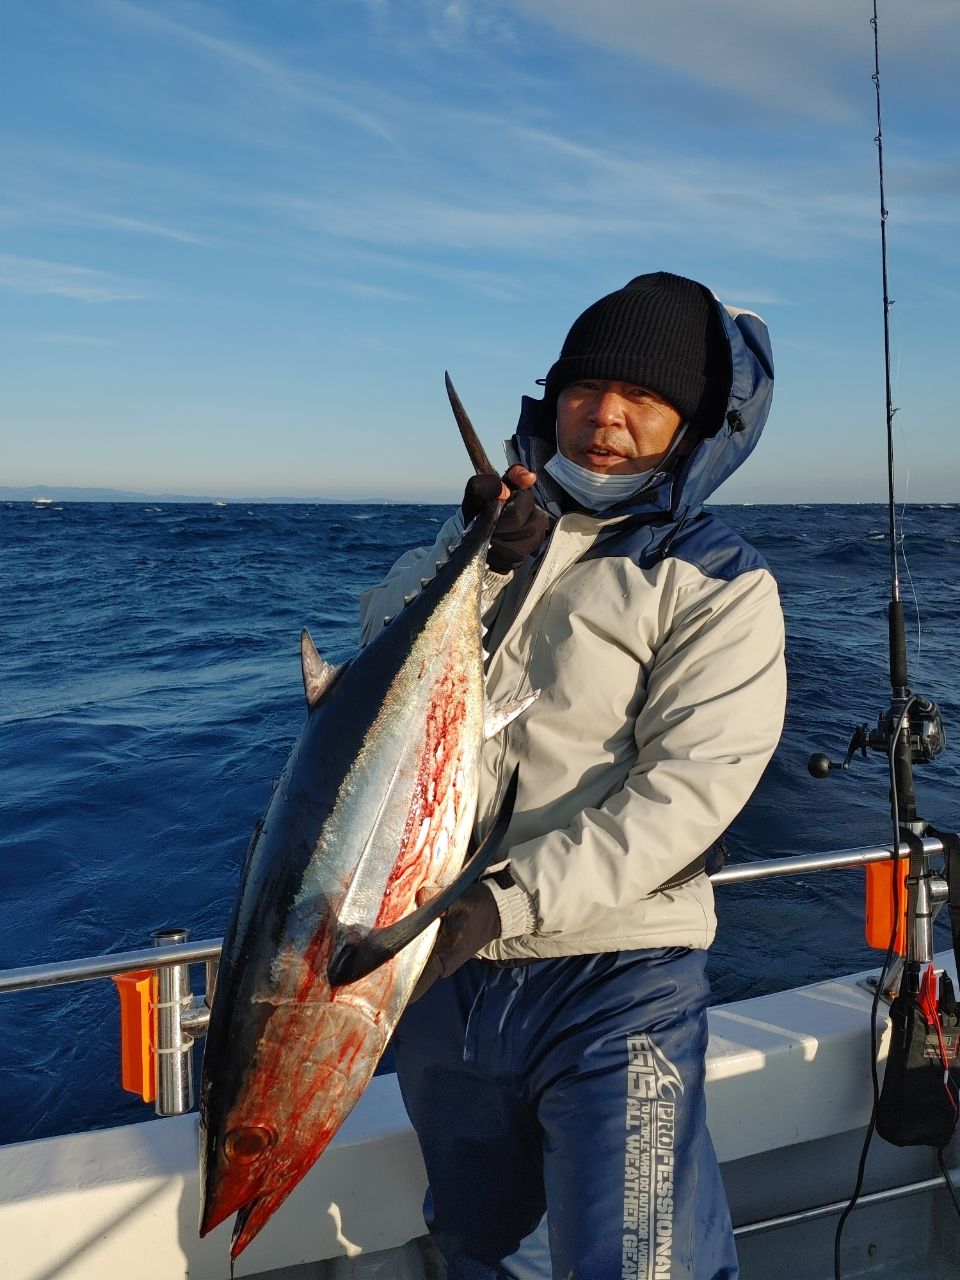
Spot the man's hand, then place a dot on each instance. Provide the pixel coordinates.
(522, 526)
(469, 924)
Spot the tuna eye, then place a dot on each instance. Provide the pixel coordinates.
(247, 1144)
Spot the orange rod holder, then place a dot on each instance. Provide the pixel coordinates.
(880, 904)
(159, 1021)
(138, 1070)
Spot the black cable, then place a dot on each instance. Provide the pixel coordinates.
(875, 1004)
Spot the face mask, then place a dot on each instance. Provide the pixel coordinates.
(592, 489)
(596, 490)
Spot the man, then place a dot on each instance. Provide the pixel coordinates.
(562, 1069)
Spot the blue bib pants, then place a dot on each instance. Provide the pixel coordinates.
(572, 1086)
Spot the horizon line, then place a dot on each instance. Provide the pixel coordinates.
(31, 494)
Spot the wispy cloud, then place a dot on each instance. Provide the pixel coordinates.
(413, 220)
(516, 176)
(271, 73)
(375, 292)
(452, 24)
(56, 213)
(807, 59)
(486, 280)
(83, 284)
(69, 339)
(595, 198)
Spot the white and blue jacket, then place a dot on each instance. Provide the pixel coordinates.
(655, 636)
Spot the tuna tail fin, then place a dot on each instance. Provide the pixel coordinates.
(352, 960)
(481, 463)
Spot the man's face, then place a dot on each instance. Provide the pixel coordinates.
(614, 427)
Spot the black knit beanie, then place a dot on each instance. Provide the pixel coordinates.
(659, 331)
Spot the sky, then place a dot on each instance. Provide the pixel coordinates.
(241, 240)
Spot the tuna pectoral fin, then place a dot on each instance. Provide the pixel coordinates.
(354, 959)
(497, 715)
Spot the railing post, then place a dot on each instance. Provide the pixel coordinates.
(173, 1044)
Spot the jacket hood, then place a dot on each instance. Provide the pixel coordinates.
(682, 492)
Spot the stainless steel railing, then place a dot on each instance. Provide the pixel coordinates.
(180, 1018)
(61, 972)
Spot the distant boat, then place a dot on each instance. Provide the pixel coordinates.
(218, 503)
(42, 502)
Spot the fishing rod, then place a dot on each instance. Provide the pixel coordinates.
(918, 1104)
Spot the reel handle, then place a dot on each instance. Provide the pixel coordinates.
(819, 765)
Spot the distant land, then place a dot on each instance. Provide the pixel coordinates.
(66, 493)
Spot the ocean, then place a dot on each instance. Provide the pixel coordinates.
(151, 692)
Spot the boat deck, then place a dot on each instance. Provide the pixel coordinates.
(912, 1239)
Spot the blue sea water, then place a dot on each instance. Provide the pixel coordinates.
(151, 691)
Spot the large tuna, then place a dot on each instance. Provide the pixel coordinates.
(326, 941)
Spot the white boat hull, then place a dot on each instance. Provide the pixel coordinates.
(788, 1093)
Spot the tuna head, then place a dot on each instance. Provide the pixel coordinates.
(260, 1142)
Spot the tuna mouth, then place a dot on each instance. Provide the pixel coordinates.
(238, 1242)
(252, 1218)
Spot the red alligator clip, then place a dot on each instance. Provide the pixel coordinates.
(928, 1000)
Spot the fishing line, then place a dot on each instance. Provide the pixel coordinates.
(903, 546)
(878, 993)
(905, 449)
(913, 589)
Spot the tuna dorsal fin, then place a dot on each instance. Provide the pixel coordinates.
(318, 675)
(497, 715)
(354, 958)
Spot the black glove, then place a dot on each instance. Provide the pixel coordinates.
(522, 526)
(469, 924)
